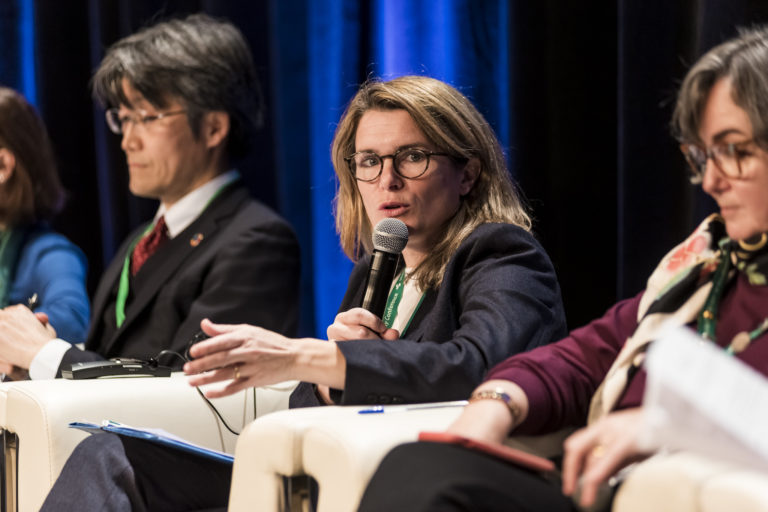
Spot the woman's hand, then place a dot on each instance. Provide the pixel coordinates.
(359, 324)
(250, 356)
(595, 453)
(247, 355)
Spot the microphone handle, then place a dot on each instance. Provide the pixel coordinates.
(380, 276)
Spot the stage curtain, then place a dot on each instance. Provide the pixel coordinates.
(580, 95)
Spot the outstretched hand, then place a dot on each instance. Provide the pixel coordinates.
(243, 354)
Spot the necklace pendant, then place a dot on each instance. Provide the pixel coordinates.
(740, 342)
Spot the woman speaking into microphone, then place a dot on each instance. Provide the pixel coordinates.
(474, 287)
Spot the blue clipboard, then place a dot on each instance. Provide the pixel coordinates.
(152, 435)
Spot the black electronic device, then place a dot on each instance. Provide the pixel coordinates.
(390, 237)
(198, 337)
(116, 367)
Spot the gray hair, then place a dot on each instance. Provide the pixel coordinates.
(200, 61)
(743, 59)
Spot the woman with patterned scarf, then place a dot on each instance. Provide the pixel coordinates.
(714, 282)
(38, 267)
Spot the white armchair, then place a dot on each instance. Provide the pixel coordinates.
(337, 446)
(690, 482)
(35, 415)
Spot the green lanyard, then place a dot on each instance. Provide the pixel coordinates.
(707, 321)
(9, 248)
(122, 290)
(708, 316)
(393, 302)
(124, 287)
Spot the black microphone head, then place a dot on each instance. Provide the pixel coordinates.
(390, 235)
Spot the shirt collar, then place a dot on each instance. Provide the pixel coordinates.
(184, 211)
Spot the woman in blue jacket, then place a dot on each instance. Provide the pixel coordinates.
(39, 268)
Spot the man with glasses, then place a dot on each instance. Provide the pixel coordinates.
(184, 97)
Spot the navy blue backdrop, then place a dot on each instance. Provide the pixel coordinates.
(580, 96)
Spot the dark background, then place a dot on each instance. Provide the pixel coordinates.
(580, 94)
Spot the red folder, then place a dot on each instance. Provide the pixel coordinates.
(518, 457)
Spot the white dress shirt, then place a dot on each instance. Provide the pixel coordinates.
(410, 301)
(177, 218)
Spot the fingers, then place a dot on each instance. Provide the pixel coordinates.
(217, 355)
(356, 324)
(231, 388)
(18, 311)
(391, 335)
(43, 319)
(217, 375)
(223, 337)
(213, 329)
(22, 335)
(577, 447)
(601, 463)
(220, 375)
(595, 454)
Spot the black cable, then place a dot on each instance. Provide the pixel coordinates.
(154, 361)
(213, 408)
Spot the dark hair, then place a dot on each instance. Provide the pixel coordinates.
(33, 192)
(743, 59)
(203, 62)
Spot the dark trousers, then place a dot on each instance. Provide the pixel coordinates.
(107, 472)
(444, 477)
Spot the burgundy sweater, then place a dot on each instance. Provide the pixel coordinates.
(560, 379)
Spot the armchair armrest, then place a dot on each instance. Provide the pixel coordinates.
(689, 482)
(38, 412)
(337, 446)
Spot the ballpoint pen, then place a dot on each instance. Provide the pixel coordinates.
(380, 409)
(33, 302)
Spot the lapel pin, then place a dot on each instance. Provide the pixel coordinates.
(195, 240)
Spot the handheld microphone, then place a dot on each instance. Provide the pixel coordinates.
(389, 239)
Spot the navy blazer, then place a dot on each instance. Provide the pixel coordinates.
(238, 262)
(54, 268)
(499, 296)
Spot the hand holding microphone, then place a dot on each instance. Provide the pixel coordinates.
(390, 237)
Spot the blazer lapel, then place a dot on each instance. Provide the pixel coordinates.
(162, 265)
(108, 282)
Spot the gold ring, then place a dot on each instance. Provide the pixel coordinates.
(236, 369)
(598, 451)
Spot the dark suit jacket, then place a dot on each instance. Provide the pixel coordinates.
(499, 296)
(245, 269)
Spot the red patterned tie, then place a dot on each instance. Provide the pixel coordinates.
(148, 245)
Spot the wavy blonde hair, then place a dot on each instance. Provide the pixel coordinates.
(454, 126)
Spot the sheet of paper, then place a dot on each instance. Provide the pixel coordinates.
(699, 398)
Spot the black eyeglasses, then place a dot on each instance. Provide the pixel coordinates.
(726, 156)
(117, 122)
(409, 163)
